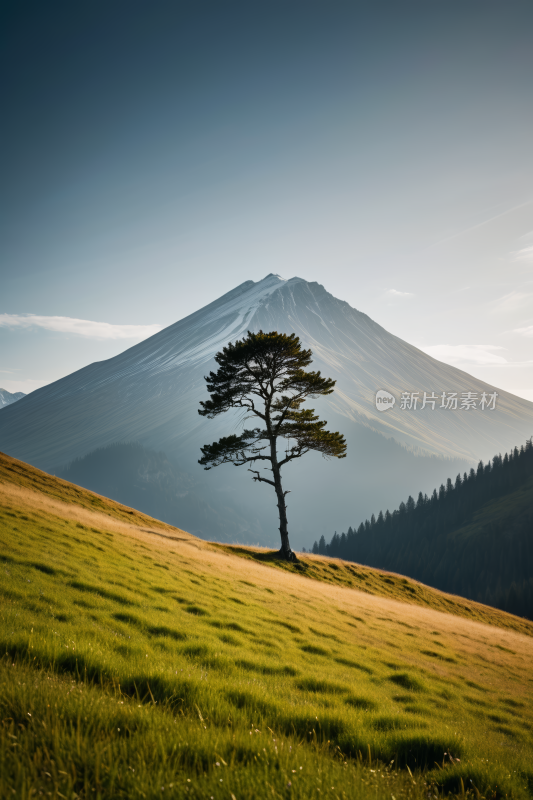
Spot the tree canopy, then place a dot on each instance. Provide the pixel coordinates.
(264, 375)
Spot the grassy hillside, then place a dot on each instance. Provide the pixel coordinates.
(148, 481)
(138, 661)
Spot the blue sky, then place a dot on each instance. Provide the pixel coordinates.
(155, 155)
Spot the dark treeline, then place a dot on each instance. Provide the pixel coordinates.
(454, 540)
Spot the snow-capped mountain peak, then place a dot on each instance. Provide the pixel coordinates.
(151, 392)
(7, 398)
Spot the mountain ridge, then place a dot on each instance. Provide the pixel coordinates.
(7, 398)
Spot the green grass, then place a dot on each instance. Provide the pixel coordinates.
(383, 584)
(132, 661)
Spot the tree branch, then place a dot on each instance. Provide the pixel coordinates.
(299, 454)
(259, 478)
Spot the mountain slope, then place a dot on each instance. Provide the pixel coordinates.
(139, 657)
(474, 537)
(36, 490)
(6, 398)
(149, 482)
(151, 393)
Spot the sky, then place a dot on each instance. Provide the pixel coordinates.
(156, 155)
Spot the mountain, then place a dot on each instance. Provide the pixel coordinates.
(150, 394)
(136, 476)
(7, 398)
(474, 537)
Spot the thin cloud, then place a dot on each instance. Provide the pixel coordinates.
(396, 293)
(478, 225)
(456, 354)
(525, 248)
(525, 254)
(512, 301)
(528, 331)
(79, 327)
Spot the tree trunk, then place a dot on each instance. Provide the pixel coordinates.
(285, 549)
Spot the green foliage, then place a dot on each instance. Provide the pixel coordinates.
(264, 374)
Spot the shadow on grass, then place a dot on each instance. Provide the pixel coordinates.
(490, 781)
(271, 557)
(405, 747)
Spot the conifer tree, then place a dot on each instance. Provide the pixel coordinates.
(264, 375)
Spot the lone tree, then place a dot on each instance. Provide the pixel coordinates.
(264, 375)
